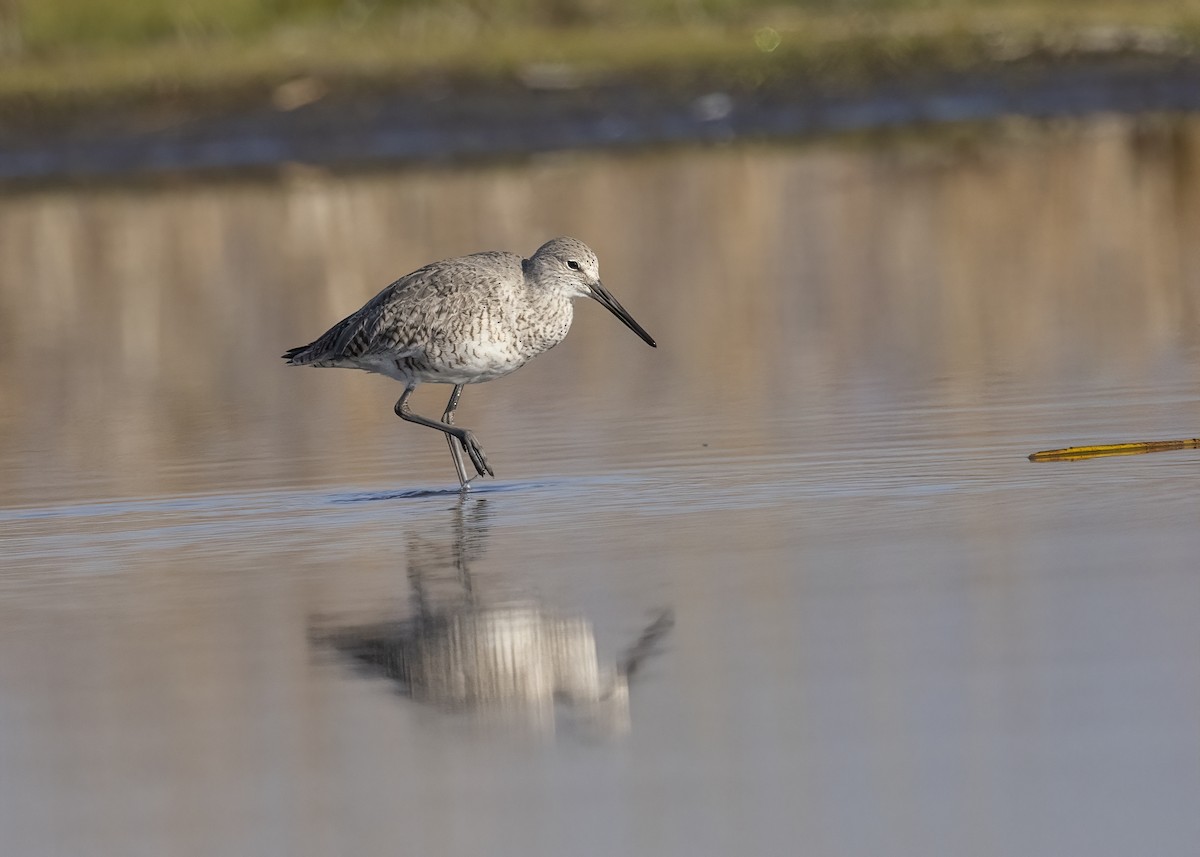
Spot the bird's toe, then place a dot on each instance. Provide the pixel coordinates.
(475, 451)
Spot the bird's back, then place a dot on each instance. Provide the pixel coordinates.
(418, 313)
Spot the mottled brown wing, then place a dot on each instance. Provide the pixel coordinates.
(408, 312)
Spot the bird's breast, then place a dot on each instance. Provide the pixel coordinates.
(541, 327)
(491, 343)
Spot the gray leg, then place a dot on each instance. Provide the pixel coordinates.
(464, 436)
(455, 450)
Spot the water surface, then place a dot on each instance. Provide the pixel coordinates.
(787, 581)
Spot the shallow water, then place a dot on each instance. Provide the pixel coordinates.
(789, 578)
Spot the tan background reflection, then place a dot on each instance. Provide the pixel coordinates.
(139, 330)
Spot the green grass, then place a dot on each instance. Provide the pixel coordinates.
(46, 27)
(57, 55)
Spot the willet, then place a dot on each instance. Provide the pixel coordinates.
(465, 321)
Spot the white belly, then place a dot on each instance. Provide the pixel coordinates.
(474, 362)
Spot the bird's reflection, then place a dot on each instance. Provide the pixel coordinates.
(503, 659)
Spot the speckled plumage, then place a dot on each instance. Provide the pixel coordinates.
(464, 321)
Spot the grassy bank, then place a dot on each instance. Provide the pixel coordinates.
(59, 56)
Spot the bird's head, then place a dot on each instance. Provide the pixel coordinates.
(571, 266)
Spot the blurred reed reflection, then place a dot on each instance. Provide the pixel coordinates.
(140, 329)
(502, 660)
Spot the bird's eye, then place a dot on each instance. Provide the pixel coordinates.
(573, 265)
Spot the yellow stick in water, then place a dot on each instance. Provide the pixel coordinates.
(1075, 453)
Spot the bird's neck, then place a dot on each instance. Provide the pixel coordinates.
(547, 318)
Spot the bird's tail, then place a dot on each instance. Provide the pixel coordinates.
(299, 355)
(320, 352)
(327, 349)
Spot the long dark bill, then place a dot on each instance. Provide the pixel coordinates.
(605, 298)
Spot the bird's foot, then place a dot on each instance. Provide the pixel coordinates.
(471, 446)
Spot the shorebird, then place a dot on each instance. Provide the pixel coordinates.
(465, 321)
